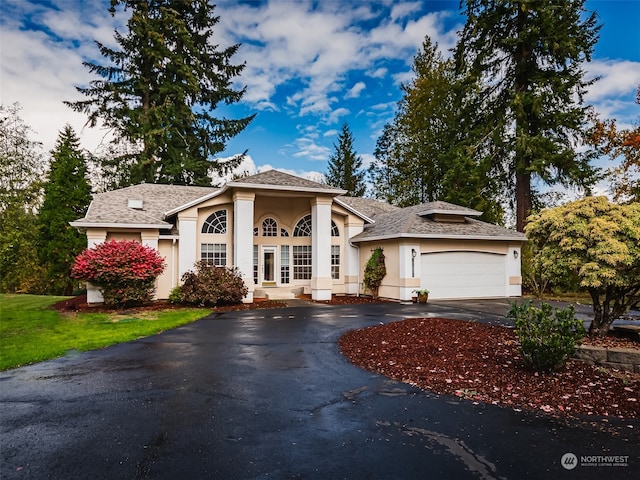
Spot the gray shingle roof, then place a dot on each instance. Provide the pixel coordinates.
(407, 222)
(112, 207)
(368, 206)
(280, 179)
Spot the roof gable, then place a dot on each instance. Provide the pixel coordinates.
(274, 179)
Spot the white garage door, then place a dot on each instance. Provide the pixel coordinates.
(464, 274)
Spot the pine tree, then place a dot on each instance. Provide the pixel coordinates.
(67, 195)
(528, 57)
(345, 166)
(160, 89)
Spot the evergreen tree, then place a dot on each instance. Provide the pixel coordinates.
(425, 153)
(67, 195)
(528, 57)
(345, 166)
(160, 89)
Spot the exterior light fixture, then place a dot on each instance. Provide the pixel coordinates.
(515, 254)
(413, 253)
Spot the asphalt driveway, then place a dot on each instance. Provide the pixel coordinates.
(266, 394)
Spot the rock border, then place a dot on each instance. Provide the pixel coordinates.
(627, 359)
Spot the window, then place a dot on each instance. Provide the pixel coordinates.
(284, 232)
(302, 262)
(284, 264)
(335, 262)
(214, 254)
(334, 229)
(255, 264)
(303, 227)
(269, 228)
(216, 223)
(255, 231)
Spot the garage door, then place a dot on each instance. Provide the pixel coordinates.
(464, 274)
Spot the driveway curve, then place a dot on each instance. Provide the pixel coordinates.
(266, 394)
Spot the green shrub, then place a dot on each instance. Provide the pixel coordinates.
(548, 336)
(374, 271)
(210, 285)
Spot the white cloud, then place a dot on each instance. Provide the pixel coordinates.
(618, 77)
(331, 133)
(334, 117)
(356, 90)
(309, 149)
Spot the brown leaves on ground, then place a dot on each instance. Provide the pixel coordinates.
(482, 362)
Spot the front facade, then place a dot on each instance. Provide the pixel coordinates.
(289, 235)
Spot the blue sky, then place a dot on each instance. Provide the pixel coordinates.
(311, 65)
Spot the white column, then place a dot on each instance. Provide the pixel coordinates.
(351, 261)
(409, 269)
(150, 239)
(514, 271)
(188, 244)
(243, 206)
(94, 237)
(321, 282)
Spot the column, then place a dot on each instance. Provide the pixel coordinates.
(321, 283)
(351, 262)
(150, 239)
(188, 244)
(95, 237)
(243, 206)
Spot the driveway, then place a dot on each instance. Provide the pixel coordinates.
(266, 394)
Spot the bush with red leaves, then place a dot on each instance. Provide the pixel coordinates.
(123, 270)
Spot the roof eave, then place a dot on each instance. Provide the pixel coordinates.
(502, 238)
(190, 204)
(354, 211)
(292, 188)
(79, 224)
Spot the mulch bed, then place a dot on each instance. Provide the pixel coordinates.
(482, 363)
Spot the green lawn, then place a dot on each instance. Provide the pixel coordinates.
(31, 332)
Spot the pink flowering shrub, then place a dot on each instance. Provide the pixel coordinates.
(123, 270)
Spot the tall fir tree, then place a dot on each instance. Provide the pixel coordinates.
(345, 166)
(67, 195)
(528, 56)
(159, 91)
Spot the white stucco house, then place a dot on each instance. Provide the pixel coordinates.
(288, 234)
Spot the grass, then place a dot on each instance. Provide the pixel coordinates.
(30, 331)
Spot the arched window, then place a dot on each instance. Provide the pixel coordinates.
(269, 228)
(284, 232)
(255, 231)
(303, 227)
(216, 223)
(334, 229)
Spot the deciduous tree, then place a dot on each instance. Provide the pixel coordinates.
(624, 145)
(160, 88)
(21, 169)
(598, 242)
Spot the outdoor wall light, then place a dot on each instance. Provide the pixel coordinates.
(515, 254)
(413, 253)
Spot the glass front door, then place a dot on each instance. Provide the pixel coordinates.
(269, 265)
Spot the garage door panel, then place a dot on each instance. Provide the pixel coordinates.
(464, 274)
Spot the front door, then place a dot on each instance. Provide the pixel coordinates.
(269, 266)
